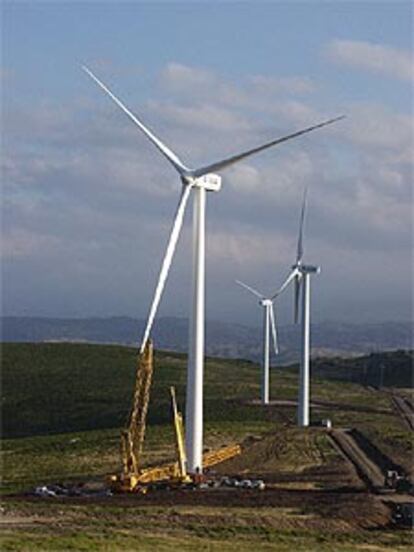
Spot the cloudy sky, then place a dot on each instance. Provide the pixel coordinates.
(88, 202)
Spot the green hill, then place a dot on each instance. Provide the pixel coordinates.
(60, 387)
(55, 388)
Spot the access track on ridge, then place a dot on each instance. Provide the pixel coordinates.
(405, 409)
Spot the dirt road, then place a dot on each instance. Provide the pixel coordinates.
(367, 467)
(405, 409)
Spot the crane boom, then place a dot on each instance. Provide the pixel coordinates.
(132, 437)
(179, 436)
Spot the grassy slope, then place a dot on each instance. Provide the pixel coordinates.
(62, 390)
(54, 388)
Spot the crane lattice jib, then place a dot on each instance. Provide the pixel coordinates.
(179, 435)
(133, 436)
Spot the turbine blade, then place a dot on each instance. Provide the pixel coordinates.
(252, 290)
(274, 331)
(296, 298)
(171, 156)
(236, 158)
(166, 263)
(299, 252)
(285, 283)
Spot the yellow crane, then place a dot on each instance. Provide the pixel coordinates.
(133, 478)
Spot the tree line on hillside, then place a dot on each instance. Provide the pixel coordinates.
(387, 369)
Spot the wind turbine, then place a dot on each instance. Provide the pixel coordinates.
(201, 180)
(301, 277)
(269, 321)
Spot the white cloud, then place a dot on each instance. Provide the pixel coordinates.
(199, 85)
(244, 178)
(21, 243)
(252, 92)
(205, 116)
(295, 112)
(248, 248)
(378, 58)
(265, 84)
(373, 126)
(277, 180)
(382, 142)
(181, 76)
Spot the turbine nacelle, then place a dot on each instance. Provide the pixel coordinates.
(310, 269)
(266, 302)
(210, 182)
(301, 268)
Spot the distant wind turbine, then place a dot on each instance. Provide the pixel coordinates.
(269, 322)
(201, 180)
(300, 275)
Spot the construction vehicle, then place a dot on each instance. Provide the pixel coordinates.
(133, 478)
(397, 481)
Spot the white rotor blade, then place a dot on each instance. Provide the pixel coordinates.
(285, 283)
(296, 297)
(172, 158)
(166, 263)
(274, 331)
(231, 160)
(252, 290)
(299, 251)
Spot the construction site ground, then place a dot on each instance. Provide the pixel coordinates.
(318, 503)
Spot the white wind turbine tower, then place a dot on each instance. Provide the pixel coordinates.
(269, 322)
(301, 276)
(201, 180)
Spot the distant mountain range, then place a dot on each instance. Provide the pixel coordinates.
(222, 339)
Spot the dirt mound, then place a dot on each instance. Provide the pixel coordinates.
(282, 451)
(294, 458)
